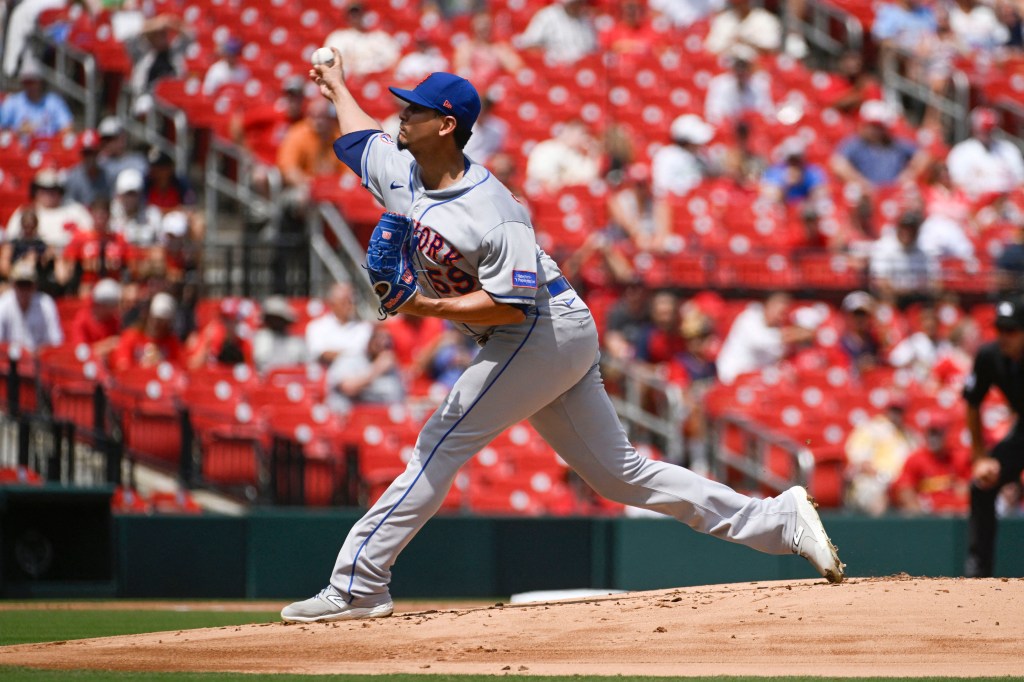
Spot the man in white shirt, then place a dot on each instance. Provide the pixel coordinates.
(337, 332)
(943, 237)
(226, 70)
(740, 90)
(683, 13)
(563, 30)
(898, 266)
(758, 338)
(28, 318)
(363, 51)
(983, 164)
(572, 157)
(57, 220)
(743, 24)
(678, 167)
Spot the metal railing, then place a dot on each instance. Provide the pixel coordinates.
(753, 461)
(817, 28)
(340, 263)
(229, 175)
(953, 105)
(241, 267)
(640, 387)
(61, 77)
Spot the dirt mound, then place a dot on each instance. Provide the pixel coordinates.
(895, 626)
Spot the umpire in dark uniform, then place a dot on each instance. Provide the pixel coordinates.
(999, 363)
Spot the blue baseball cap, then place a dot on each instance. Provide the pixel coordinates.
(446, 93)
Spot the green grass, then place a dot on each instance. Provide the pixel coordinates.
(22, 627)
(27, 675)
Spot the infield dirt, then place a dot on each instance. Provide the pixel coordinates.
(895, 626)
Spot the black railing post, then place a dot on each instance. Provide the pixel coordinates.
(187, 437)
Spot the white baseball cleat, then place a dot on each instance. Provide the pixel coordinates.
(810, 540)
(328, 605)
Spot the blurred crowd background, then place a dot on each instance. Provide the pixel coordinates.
(791, 220)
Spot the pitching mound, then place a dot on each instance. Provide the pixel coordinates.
(896, 626)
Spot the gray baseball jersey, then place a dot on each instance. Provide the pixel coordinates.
(545, 369)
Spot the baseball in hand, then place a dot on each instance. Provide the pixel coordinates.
(323, 55)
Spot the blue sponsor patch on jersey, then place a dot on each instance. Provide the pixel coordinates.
(524, 278)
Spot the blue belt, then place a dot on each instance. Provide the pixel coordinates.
(558, 286)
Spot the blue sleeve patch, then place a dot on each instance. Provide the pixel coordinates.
(349, 149)
(523, 278)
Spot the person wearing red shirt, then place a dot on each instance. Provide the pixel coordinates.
(152, 341)
(98, 325)
(93, 255)
(220, 342)
(936, 477)
(631, 37)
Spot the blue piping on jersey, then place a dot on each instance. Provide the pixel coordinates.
(420, 219)
(426, 462)
(366, 156)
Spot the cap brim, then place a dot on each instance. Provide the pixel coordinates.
(1008, 324)
(411, 97)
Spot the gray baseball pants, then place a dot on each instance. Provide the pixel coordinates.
(544, 370)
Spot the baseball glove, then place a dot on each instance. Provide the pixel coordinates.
(389, 262)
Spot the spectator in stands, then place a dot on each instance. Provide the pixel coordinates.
(98, 325)
(983, 164)
(164, 189)
(453, 354)
(942, 199)
(365, 378)
(563, 30)
(936, 477)
(740, 91)
(29, 247)
(273, 344)
(977, 25)
(627, 320)
(571, 157)
(179, 253)
(851, 85)
(662, 341)
(860, 340)
(684, 13)
(631, 210)
(130, 217)
(489, 134)
(481, 58)
(57, 219)
(679, 167)
(1010, 264)
(745, 25)
(151, 340)
(875, 452)
(919, 351)
(943, 237)
(338, 331)
(86, 181)
(363, 50)
(34, 112)
(792, 179)
(424, 60)
(223, 340)
(903, 24)
(632, 35)
(875, 157)
(759, 338)
(936, 55)
(94, 254)
(306, 151)
(262, 127)
(1009, 15)
(115, 155)
(28, 317)
(228, 70)
(899, 269)
(159, 53)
